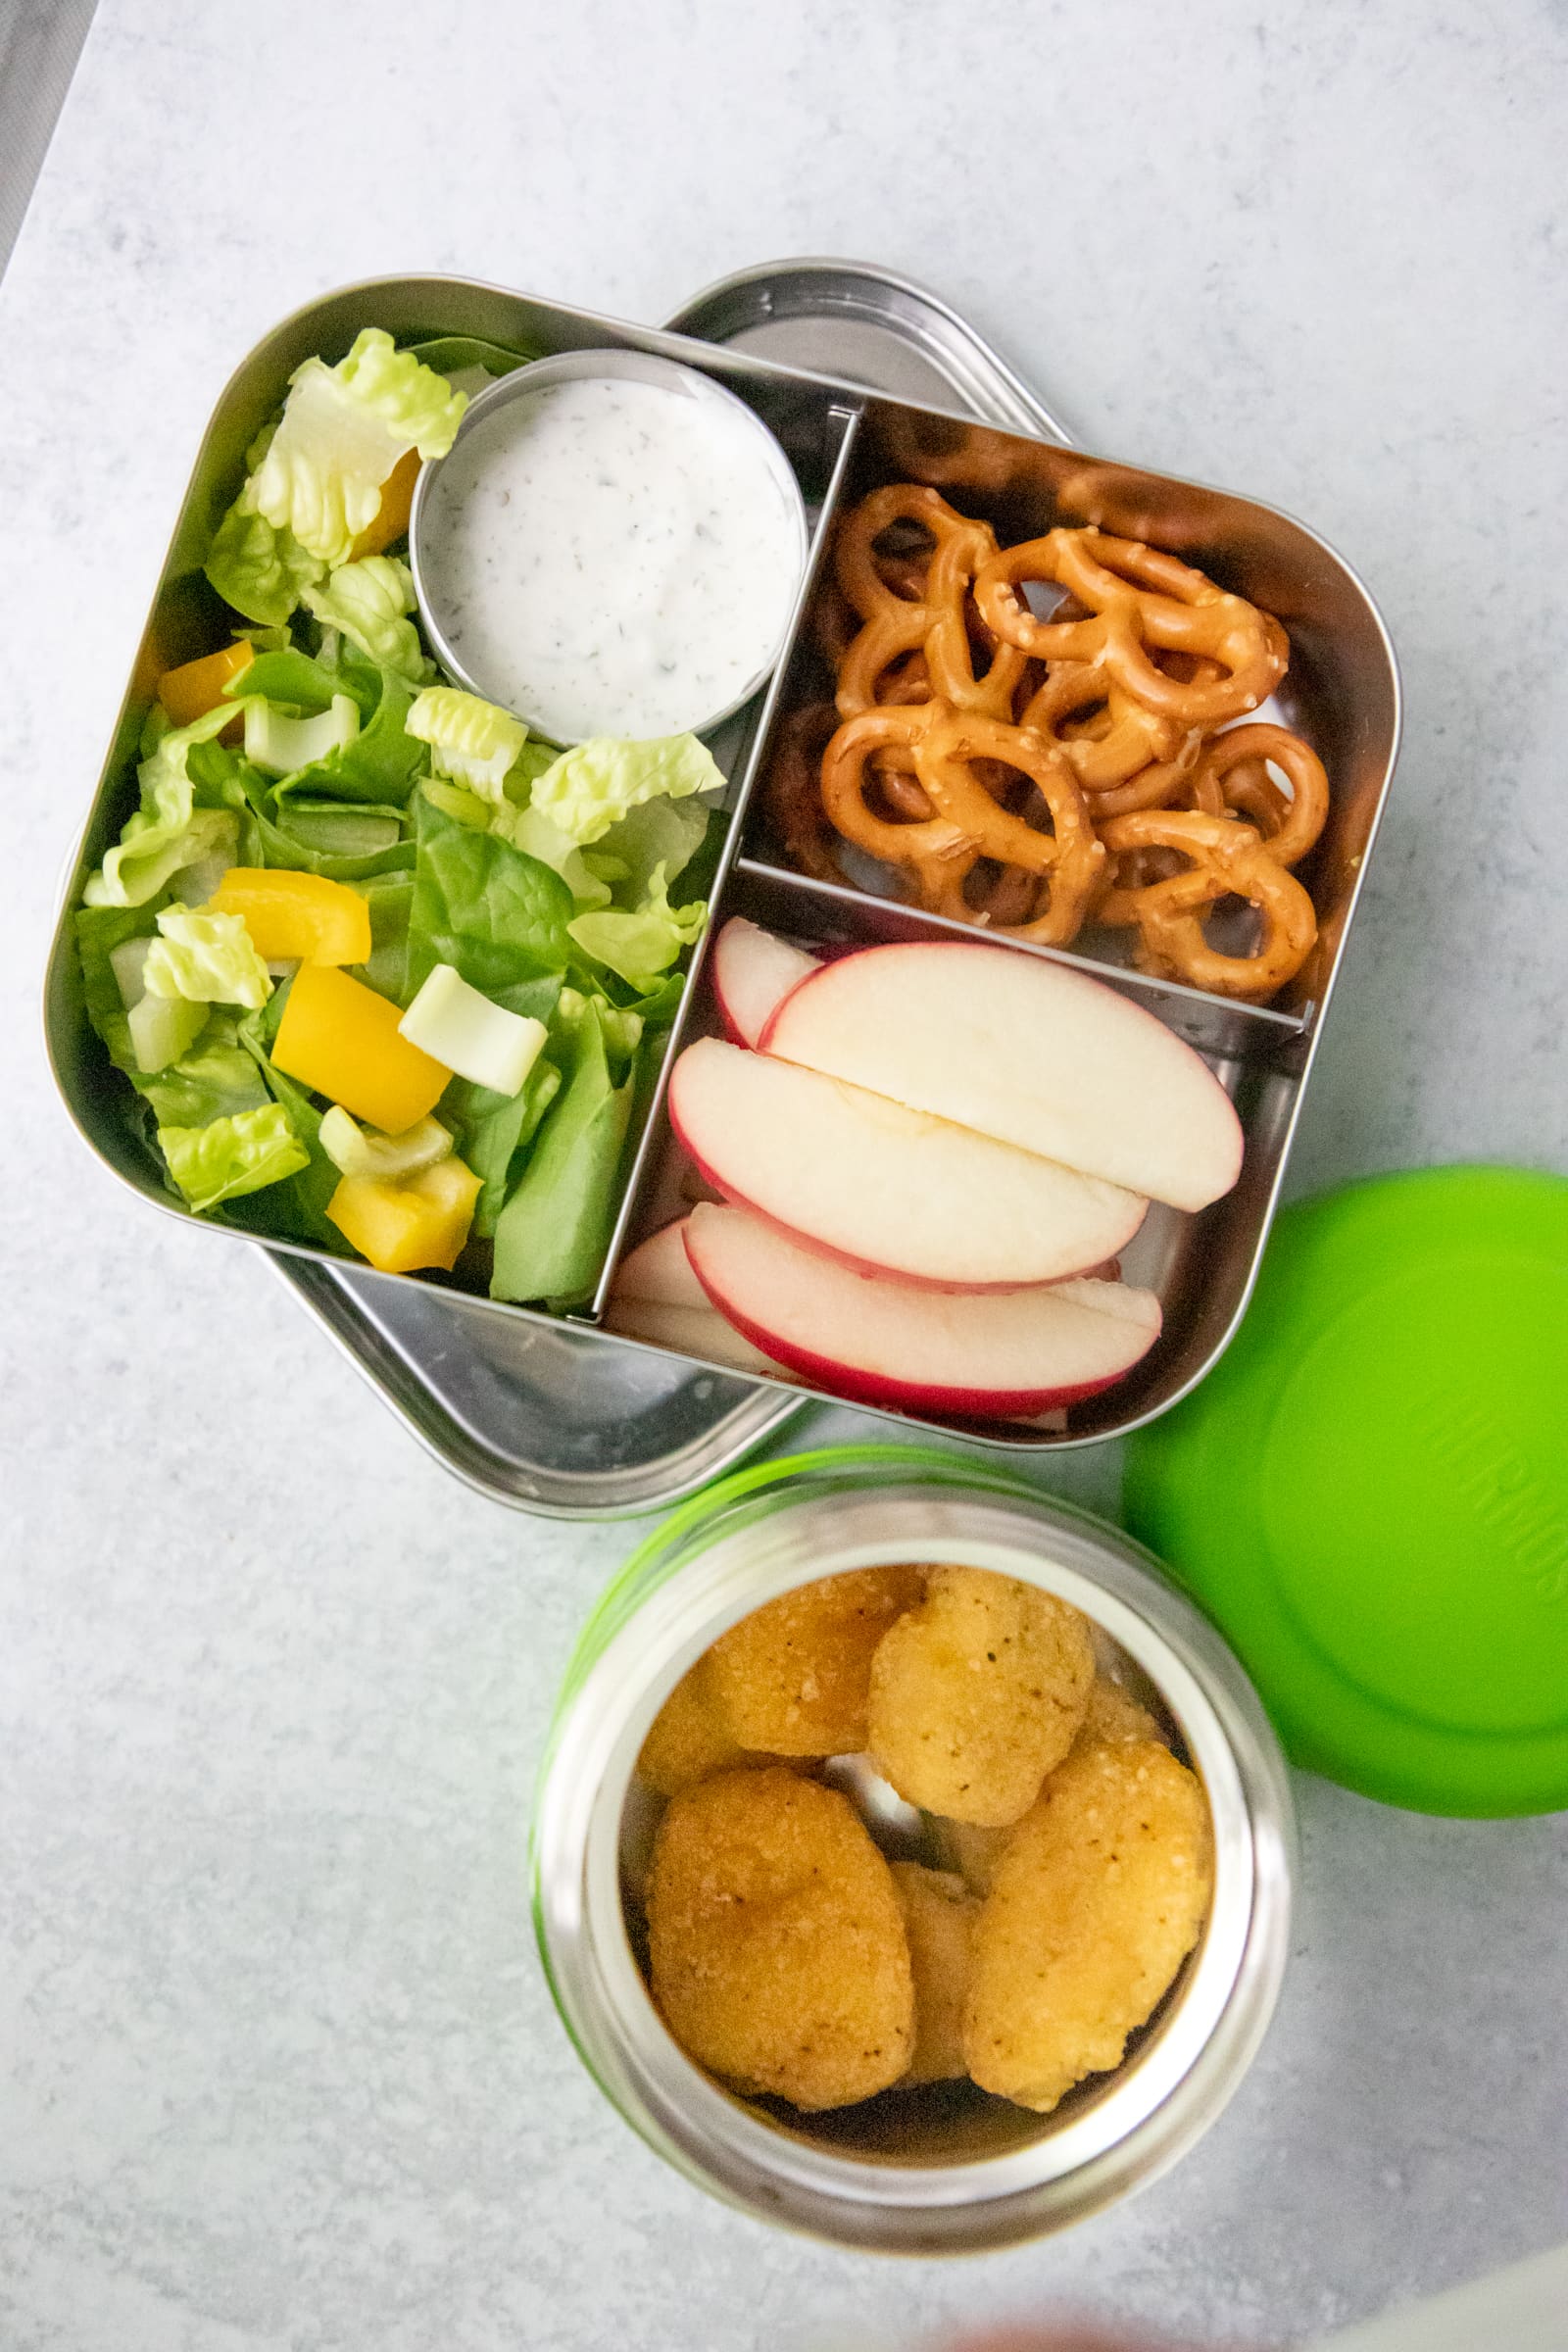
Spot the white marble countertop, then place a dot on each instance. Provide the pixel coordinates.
(277, 2071)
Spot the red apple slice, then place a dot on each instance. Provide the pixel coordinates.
(659, 1272)
(879, 1342)
(886, 1188)
(1028, 1051)
(689, 1330)
(753, 973)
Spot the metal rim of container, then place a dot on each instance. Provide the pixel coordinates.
(575, 367)
(1153, 2110)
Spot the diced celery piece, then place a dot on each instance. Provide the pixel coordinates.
(126, 962)
(383, 1159)
(458, 1025)
(281, 746)
(162, 1029)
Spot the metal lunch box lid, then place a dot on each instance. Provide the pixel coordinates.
(914, 2172)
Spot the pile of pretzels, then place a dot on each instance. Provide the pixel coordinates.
(1035, 774)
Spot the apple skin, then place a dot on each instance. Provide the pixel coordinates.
(1122, 1212)
(866, 1383)
(754, 971)
(1022, 1049)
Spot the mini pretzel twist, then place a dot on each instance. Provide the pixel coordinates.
(1224, 858)
(958, 823)
(935, 622)
(1232, 776)
(1137, 602)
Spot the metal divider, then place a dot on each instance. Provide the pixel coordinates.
(1217, 1027)
(646, 1162)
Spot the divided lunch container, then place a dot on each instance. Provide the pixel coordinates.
(552, 1414)
(947, 2168)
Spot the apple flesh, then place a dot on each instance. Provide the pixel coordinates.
(753, 973)
(659, 1272)
(888, 1188)
(879, 1342)
(695, 1331)
(1026, 1052)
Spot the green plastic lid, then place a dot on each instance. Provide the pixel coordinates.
(1369, 1494)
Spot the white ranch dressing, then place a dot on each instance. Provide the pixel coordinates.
(612, 556)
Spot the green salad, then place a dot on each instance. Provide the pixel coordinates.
(379, 971)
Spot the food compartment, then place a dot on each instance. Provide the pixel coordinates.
(189, 620)
(875, 1742)
(1199, 1266)
(909, 637)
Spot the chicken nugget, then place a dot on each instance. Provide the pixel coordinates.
(776, 1943)
(688, 1741)
(976, 1694)
(1113, 1716)
(939, 1916)
(1099, 1898)
(973, 1852)
(793, 1676)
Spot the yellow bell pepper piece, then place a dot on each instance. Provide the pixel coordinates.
(391, 518)
(340, 1037)
(197, 687)
(401, 1227)
(297, 914)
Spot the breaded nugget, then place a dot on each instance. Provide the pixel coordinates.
(776, 1943)
(973, 1852)
(1113, 1716)
(976, 1694)
(689, 1739)
(939, 1916)
(1099, 1898)
(793, 1676)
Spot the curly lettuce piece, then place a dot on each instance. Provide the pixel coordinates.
(166, 832)
(232, 1156)
(261, 569)
(642, 944)
(208, 958)
(666, 833)
(316, 481)
(369, 602)
(598, 783)
(472, 742)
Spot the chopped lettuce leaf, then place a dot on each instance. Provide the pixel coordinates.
(342, 431)
(210, 959)
(551, 1236)
(472, 742)
(342, 829)
(166, 833)
(641, 945)
(666, 833)
(370, 601)
(598, 783)
(527, 830)
(456, 354)
(232, 1156)
(495, 1130)
(496, 916)
(389, 900)
(214, 1082)
(261, 570)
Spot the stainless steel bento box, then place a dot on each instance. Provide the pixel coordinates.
(1341, 693)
